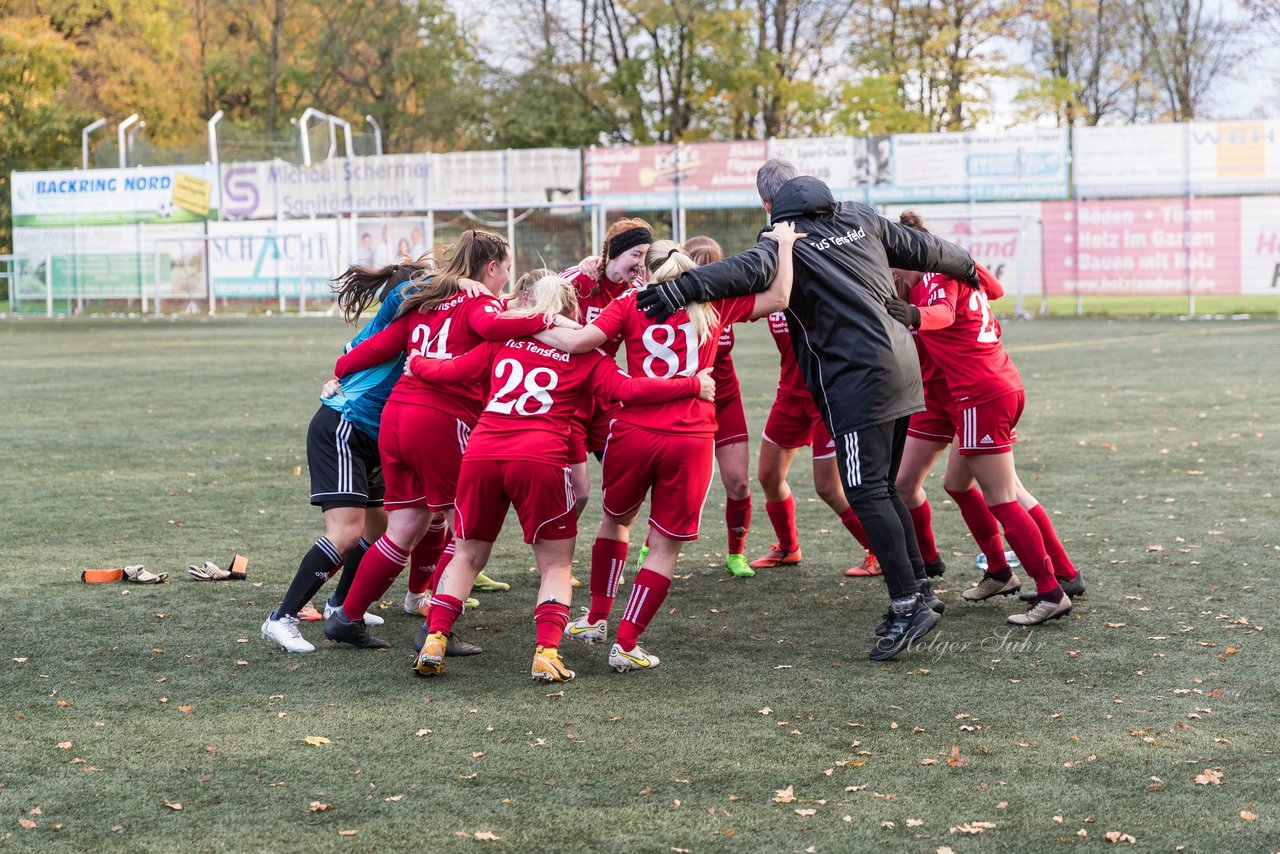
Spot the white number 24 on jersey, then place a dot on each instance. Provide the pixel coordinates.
(537, 384)
(422, 342)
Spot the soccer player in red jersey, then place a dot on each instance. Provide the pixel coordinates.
(518, 454)
(662, 451)
(963, 338)
(439, 321)
(794, 422)
(620, 268)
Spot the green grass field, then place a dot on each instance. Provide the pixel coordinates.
(1153, 443)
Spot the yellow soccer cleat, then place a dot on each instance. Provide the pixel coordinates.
(547, 666)
(430, 660)
(488, 585)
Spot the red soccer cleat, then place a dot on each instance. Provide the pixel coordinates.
(776, 557)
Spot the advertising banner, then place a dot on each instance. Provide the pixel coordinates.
(112, 196)
(848, 165)
(972, 166)
(266, 259)
(1146, 246)
(107, 261)
(1200, 158)
(698, 175)
(1260, 245)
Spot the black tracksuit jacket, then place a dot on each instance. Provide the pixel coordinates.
(859, 363)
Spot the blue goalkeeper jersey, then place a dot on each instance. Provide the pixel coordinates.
(364, 393)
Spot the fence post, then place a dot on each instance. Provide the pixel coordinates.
(511, 231)
(155, 272)
(302, 289)
(48, 286)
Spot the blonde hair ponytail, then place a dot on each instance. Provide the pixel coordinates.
(552, 297)
(666, 260)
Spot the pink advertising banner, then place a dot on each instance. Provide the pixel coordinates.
(1142, 246)
(707, 174)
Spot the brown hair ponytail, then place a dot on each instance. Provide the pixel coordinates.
(465, 259)
(360, 286)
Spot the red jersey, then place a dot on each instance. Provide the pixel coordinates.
(535, 391)
(722, 370)
(967, 349)
(593, 296)
(446, 331)
(790, 381)
(937, 394)
(669, 349)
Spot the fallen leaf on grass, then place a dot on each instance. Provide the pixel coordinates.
(784, 796)
(914, 822)
(1247, 816)
(347, 832)
(955, 759)
(173, 805)
(888, 825)
(26, 823)
(63, 704)
(486, 836)
(64, 745)
(317, 806)
(766, 711)
(422, 732)
(393, 798)
(186, 710)
(317, 740)
(806, 812)
(973, 828)
(1115, 837)
(1210, 777)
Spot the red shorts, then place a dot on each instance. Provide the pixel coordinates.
(675, 467)
(731, 421)
(990, 427)
(794, 422)
(589, 429)
(421, 450)
(541, 493)
(598, 430)
(933, 425)
(577, 441)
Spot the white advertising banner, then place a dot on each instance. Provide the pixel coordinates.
(110, 261)
(266, 259)
(1260, 245)
(848, 165)
(112, 196)
(972, 166)
(1199, 158)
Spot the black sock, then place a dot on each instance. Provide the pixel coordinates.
(909, 537)
(885, 531)
(317, 565)
(349, 567)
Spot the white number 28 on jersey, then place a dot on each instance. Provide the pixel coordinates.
(538, 384)
(662, 352)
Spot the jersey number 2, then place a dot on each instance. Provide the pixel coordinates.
(664, 352)
(987, 332)
(538, 384)
(431, 347)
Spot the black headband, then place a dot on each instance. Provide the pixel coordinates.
(628, 239)
(672, 252)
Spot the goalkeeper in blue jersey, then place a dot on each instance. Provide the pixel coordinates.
(346, 473)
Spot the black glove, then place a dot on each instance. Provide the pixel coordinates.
(663, 300)
(971, 280)
(903, 312)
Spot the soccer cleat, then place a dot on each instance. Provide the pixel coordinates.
(586, 631)
(309, 613)
(776, 557)
(370, 620)
(903, 629)
(488, 585)
(355, 632)
(640, 557)
(988, 587)
(547, 666)
(637, 659)
(935, 568)
(930, 598)
(870, 566)
(883, 629)
(1009, 558)
(1041, 611)
(736, 565)
(430, 660)
(284, 631)
(455, 648)
(1073, 588)
(417, 603)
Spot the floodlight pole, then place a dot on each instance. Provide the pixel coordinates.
(377, 134)
(84, 140)
(212, 125)
(120, 139)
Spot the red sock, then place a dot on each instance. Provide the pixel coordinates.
(854, 526)
(1024, 537)
(1062, 565)
(442, 563)
(922, 522)
(379, 569)
(782, 515)
(422, 563)
(442, 614)
(550, 618)
(737, 518)
(983, 526)
(608, 559)
(648, 592)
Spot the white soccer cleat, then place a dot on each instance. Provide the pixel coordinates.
(370, 619)
(586, 631)
(637, 659)
(415, 603)
(284, 632)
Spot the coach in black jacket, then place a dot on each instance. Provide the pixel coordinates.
(860, 364)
